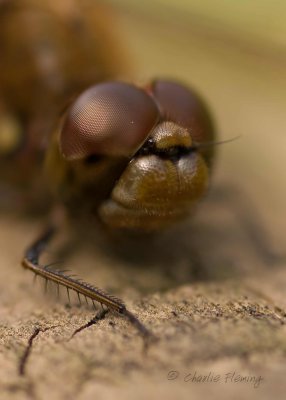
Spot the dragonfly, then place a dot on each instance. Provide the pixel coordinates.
(125, 157)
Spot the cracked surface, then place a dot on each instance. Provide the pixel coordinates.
(28, 349)
(100, 315)
(227, 317)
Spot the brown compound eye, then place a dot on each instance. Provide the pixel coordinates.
(183, 106)
(111, 118)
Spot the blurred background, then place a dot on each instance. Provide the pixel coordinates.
(234, 54)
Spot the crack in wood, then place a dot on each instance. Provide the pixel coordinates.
(148, 338)
(24, 359)
(25, 356)
(98, 317)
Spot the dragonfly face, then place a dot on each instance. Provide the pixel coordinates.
(124, 153)
(130, 156)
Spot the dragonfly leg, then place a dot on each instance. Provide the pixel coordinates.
(31, 261)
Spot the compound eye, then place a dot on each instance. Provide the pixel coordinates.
(111, 118)
(183, 106)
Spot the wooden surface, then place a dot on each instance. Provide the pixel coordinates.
(223, 316)
(213, 299)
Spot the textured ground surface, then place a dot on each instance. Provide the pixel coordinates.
(225, 316)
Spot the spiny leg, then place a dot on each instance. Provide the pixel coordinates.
(31, 262)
